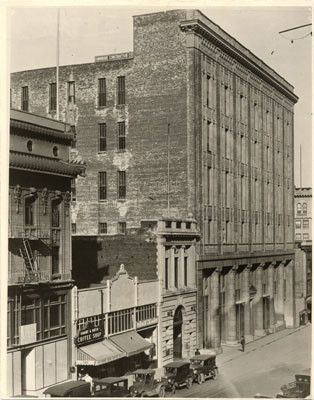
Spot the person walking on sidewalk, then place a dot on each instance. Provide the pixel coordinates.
(242, 341)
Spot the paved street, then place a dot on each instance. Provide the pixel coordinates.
(266, 365)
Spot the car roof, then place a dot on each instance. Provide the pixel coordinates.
(63, 388)
(203, 357)
(111, 379)
(144, 371)
(177, 364)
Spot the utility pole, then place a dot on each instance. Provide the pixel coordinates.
(57, 67)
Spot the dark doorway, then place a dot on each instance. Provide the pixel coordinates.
(240, 320)
(266, 313)
(177, 333)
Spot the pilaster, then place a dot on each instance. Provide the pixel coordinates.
(231, 302)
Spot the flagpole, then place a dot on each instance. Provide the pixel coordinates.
(301, 166)
(57, 59)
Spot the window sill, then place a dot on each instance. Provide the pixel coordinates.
(120, 105)
(101, 107)
(55, 276)
(102, 201)
(121, 151)
(121, 200)
(102, 152)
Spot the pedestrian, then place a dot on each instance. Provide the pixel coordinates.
(88, 378)
(197, 352)
(242, 341)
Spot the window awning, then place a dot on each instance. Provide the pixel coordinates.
(98, 353)
(131, 343)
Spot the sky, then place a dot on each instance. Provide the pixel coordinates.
(95, 30)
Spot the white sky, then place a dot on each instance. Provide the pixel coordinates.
(90, 31)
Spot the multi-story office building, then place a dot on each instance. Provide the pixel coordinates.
(303, 214)
(39, 275)
(190, 122)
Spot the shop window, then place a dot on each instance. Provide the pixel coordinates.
(29, 211)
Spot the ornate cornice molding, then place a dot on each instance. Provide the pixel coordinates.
(243, 56)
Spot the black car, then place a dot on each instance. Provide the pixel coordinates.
(111, 387)
(204, 366)
(69, 389)
(178, 374)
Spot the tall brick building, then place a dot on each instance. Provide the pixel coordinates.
(190, 122)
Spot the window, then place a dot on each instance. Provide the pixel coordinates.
(298, 236)
(94, 320)
(29, 211)
(178, 224)
(299, 209)
(29, 145)
(168, 224)
(52, 97)
(73, 189)
(122, 227)
(304, 208)
(102, 129)
(54, 316)
(121, 90)
(305, 223)
(188, 225)
(55, 260)
(121, 145)
(101, 92)
(209, 91)
(71, 92)
(166, 273)
(185, 271)
(298, 223)
(102, 185)
(24, 104)
(102, 228)
(176, 272)
(122, 184)
(55, 213)
(305, 236)
(73, 228)
(55, 151)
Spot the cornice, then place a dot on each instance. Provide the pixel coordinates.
(242, 55)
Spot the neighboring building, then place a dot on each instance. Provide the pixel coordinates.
(190, 122)
(303, 238)
(303, 214)
(39, 276)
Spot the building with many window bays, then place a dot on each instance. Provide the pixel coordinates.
(39, 278)
(190, 122)
(303, 213)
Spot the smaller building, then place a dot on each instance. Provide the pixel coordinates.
(115, 326)
(303, 214)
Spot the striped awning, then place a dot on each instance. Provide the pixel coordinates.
(98, 353)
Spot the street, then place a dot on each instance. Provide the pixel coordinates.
(263, 368)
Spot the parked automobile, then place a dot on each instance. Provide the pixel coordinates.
(204, 366)
(69, 389)
(178, 374)
(111, 387)
(145, 384)
(300, 388)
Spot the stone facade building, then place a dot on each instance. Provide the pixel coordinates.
(190, 122)
(39, 330)
(303, 214)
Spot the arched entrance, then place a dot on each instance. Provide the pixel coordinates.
(177, 333)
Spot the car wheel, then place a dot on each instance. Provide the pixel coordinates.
(162, 392)
(199, 379)
(173, 388)
(215, 372)
(132, 392)
(189, 383)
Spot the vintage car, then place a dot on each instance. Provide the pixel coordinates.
(300, 388)
(203, 366)
(178, 374)
(69, 389)
(111, 387)
(145, 384)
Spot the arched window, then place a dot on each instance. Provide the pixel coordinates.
(299, 209)
(304, 208)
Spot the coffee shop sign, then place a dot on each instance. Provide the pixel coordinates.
(89, 335)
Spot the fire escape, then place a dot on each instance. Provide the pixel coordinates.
(31, 268)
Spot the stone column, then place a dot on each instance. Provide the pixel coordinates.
(214, 300)
(231, 307)
(280, 293)
(246, 299)
(270, 276)
(290, 296)
(258, 302)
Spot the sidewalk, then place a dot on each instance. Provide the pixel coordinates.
(231, 353)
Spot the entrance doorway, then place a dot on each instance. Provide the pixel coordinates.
(240, 320)
(266, 322)
(26, 373)
(177, 333)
